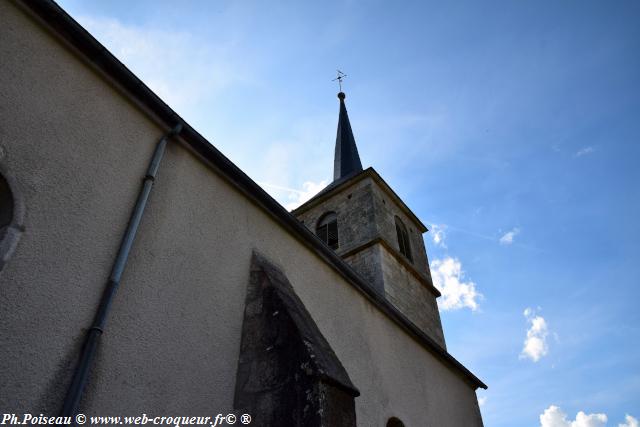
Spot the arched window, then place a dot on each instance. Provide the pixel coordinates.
(403, 239)
(327, 229)
(394, 422)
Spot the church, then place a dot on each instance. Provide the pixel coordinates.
(143, 273)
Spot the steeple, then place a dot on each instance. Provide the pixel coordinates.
(346, 159)
(365, 222)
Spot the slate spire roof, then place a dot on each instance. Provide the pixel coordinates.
(347, 160)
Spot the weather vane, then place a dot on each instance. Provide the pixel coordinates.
(341, 76)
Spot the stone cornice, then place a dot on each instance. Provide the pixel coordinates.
(424, 280)
(370, 173)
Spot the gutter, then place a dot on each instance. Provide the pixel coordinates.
(83, 368)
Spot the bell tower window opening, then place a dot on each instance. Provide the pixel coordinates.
(327, 229)
(403, 239)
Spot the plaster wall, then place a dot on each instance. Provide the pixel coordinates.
(77, 150)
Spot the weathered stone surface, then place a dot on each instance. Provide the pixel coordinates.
(368, 264)
(355, 208)
(386, 210)
(288, 375)
(366, 223)
(413, 299)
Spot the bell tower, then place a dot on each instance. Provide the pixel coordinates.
(372, 229)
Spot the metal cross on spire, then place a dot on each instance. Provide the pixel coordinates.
(341, 76)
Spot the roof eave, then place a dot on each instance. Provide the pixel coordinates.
(369, 172)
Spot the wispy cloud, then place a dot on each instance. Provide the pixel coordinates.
(181, 68)
(629, 421)
(584, 151)
(554, 417)
(482, 401)
(508, 237)
(535, 344)
(291, 198)
(448, 277)
(462, 230)
(438, 234)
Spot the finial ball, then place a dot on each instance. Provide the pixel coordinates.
(341, 95)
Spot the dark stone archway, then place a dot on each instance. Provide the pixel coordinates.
(288, 375)
(394, 422)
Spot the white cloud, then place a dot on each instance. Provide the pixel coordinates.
(535, 344)
(584, 151)
(448, 277)
(629, 422)
(554, 417)
(507, 238)
(291, 198)
(438, 234)
(482, 400)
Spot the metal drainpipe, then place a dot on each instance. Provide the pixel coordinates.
(83, 367)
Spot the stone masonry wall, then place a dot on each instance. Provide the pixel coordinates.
(410, 296)
(366, 212)
(368, 264)
(355, 209)
(386, 211)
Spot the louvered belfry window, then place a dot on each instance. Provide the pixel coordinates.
(403, 239)
(327, 229)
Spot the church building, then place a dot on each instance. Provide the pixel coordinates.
(142, 272)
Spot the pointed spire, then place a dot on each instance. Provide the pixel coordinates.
(346, 159)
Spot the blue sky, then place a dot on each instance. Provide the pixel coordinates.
(512, 128)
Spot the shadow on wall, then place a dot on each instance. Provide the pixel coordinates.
(11, 217)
